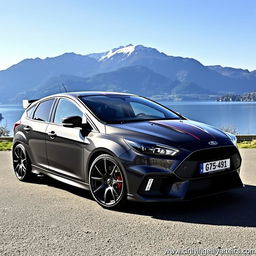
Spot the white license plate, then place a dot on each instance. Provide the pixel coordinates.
(215, 166)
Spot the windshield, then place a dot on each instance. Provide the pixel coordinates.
(125, 108)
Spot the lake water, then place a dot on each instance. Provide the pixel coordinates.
(11, 114)
(240, 116)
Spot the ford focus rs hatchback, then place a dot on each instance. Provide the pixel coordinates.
(122, 146)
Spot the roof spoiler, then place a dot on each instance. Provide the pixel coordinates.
(27, 103)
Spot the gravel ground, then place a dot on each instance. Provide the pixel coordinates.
(49, 218)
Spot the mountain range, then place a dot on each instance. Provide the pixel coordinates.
(136, 69)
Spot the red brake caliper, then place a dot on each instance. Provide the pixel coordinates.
(119, 184)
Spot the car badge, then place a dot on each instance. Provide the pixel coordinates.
(213, 143)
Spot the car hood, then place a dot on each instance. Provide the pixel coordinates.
(180, 133)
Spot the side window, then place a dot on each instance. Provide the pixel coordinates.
(65, 109)
(30, 112)
(42, 112)
(145, 110)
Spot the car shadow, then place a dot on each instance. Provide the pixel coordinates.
(45, 180)
(233, 208)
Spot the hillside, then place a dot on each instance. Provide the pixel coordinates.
(137, 69)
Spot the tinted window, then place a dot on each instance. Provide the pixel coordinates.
(42, 112)
(142, 109)
(65, 109)
(125, 108)
(30, 112)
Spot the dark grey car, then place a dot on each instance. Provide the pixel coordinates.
(123, 146)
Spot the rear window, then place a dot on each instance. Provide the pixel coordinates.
(42, 112)
(30, 112)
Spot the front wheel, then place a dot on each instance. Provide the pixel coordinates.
(21, 163)
(107, 183)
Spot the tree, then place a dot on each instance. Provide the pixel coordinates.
(3, 128)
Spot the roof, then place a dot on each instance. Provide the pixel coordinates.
(27, 103)
(91, 93)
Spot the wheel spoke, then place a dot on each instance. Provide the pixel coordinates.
(15, 161)
(105, 165)
(17, 167)
(117, 181)
(98, 179)
(112, 172)
(113, 194)
(105, 194)
(16, 153)
(20, 171)
(98, 170)
(23, 168)
(99, 188)
(20, 153)
(114, 190)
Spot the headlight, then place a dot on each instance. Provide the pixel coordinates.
(232, 138)
(153, 149)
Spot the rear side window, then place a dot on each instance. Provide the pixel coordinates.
(42, 112)
(30, 112)
(65, 109)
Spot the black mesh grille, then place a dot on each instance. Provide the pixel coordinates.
(190, 168)
(216, 184)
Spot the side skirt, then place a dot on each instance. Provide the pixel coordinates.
(69, 181)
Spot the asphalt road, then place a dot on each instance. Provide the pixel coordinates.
(49, 218)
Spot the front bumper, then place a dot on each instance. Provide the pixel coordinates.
(174, 189)
(183, 180)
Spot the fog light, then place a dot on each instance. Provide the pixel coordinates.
(236, 160)
(149, 184)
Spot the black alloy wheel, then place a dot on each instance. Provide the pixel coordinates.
(107, 183)
(21, 163)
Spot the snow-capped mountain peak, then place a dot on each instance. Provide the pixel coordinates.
(125, 50)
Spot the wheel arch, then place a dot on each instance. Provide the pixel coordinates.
(99, 151)
(95, 153)
(21, 139)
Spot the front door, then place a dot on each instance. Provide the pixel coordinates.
(64, 145)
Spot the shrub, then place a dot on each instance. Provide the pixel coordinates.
(4, 131)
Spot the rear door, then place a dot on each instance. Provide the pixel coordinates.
(34, 126)
(65, 145)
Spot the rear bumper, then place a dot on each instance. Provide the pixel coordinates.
(168, 189)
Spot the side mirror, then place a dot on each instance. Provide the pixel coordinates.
(72, 121)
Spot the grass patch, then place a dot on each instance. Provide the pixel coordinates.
(247, 144)
(5, 145)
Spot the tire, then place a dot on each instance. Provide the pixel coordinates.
(21, 163)
(107, 182)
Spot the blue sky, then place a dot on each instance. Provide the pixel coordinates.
(211, 31)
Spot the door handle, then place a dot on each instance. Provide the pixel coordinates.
(27, 128)
(52, 134)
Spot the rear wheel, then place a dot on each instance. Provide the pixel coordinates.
(21, 163)
(107, 183)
